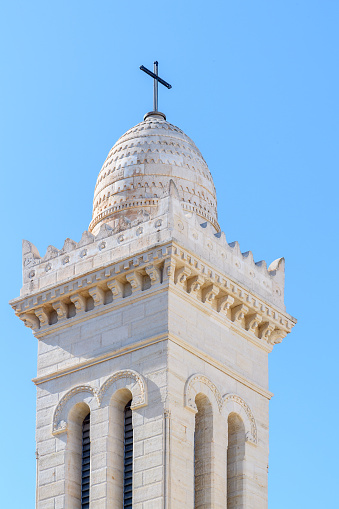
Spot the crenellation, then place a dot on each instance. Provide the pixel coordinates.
(246, 310)
(51, 252)
(67, 266)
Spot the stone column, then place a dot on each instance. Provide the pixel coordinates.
(148, 468)
(219, 462)
(100, 459)
(254, 467)
(180, 458)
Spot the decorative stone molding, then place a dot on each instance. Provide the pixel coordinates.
(169, 269)
(135, 280)
(238, 305)
(224, 303)
(265, 330)
(234, 403)
(79, 302)
(166, 264)
(61, 309)
(276, 336)
(30, 320)
(210, 293)
(227, 404)
(74, 396)
(154, 273)
(125, 379)
(252, 321)
(181, 275)
(98, 295)
(95, 398)
(42, 316)
(267, 281)
(59, 297)
(200, 383)
(239, 312)
(116, 287)
(194, 284)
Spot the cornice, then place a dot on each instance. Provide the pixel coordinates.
(222, 319)
(94, 293)
(245, 312)
(101, 290)
(98, 310)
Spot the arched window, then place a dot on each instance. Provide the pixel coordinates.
(120, 451)
(86, 463)
(128, 456)
(78, 457)
(203, 453)
(235, 459)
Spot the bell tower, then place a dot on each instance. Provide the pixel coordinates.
(153, 340)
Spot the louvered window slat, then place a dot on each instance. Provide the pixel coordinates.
(128, 457)
(85, 469)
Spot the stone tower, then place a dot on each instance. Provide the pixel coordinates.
(153, 340)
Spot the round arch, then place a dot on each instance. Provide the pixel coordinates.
(234, 403)
(79, 394)
(124, 379)
(198, 383)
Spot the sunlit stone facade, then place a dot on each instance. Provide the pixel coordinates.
(153, 305)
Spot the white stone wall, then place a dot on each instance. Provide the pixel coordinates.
(202, 329)
(98, 336)
(182, 365)
(147, 422)
(166, 339)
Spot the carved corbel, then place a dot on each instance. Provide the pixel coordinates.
(277, 336)
(153, 272)
(265, 330)
(30, 320)
(42, 315)
(169, 269)
(225, 302)
(116, 287)
(252, 321)
(135, 280)
(210, 293)
(239, 312)
(194, 284)
(61, 308)
(98, 295)
(79, 302)
(181, 275)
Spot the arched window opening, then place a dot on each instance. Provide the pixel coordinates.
(78, 457)
(120, 451)
(203, 436)
(235, 460)
(86, 463)
(128, 456)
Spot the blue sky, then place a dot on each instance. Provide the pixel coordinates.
(255, 85)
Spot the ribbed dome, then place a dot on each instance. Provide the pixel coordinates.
(138, 170)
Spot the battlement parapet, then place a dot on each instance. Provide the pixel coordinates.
(130, 238)
(165, 267)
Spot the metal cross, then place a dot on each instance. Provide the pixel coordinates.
(157, 80)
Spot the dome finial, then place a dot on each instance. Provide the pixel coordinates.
(157, 80)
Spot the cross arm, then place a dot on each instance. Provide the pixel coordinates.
(150, 73)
